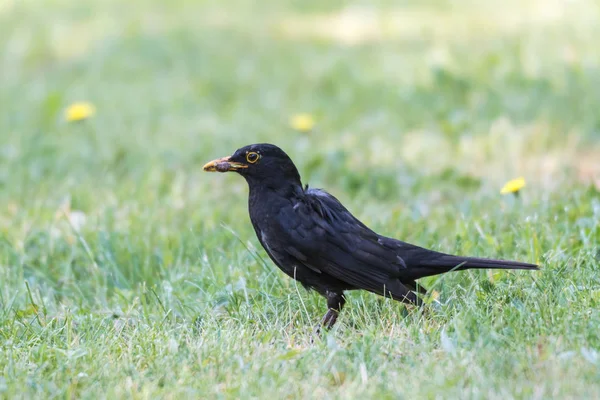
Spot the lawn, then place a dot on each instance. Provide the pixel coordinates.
(128, 272)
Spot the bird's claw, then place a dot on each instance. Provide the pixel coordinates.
(316, 334)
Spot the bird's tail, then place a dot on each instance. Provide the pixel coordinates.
(429, 263)
(446, 262)
(461, 263)
(422, 262)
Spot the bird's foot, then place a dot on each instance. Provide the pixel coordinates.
(325, 324)
(329, 319)
(316, 334)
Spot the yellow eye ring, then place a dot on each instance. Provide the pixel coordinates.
(252, 157)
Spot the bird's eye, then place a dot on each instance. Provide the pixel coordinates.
(252, 157)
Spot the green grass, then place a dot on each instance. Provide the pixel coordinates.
(125, 271)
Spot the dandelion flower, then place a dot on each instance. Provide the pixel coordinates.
(79, 111)
(513, 186)
(302, 122)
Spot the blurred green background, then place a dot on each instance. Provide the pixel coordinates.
(126, 271)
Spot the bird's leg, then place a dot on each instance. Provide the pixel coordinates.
(335, 303)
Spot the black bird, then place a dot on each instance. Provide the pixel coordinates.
(314, 239)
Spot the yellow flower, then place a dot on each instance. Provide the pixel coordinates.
(302, 122)
(79, 111)
(513, 186)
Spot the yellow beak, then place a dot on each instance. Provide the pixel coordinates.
(223, 165)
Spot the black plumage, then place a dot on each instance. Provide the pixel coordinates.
(314, 239)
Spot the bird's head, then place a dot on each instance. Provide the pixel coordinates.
(260, 163)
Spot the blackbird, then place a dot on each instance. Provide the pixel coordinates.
(314, 239)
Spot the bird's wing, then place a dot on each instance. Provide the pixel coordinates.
(322, 234)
